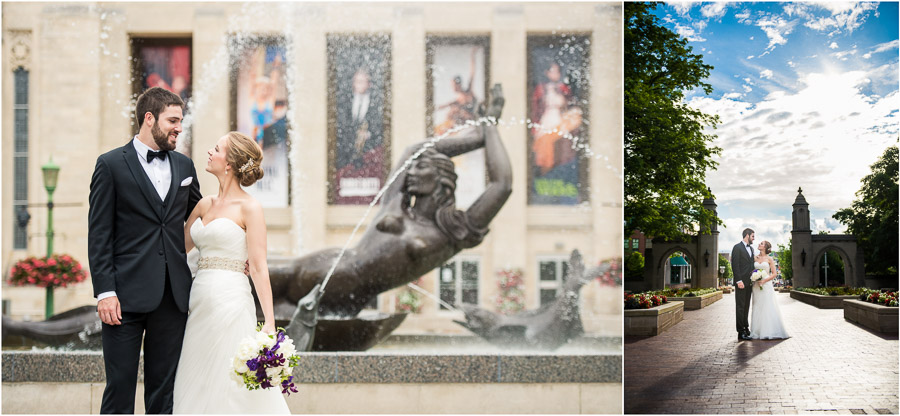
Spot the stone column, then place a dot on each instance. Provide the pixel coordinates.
(309, 121)
(606, 131)
(802, 255)
(707, 275)
(211, 87)
(508, 60)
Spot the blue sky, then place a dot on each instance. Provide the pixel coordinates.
(808, 97)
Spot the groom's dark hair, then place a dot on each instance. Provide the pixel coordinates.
(155, 100)
(747, 231)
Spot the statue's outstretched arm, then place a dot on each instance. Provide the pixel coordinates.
(499, 169)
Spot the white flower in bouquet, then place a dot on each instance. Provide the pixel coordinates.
(264, 361)
(264, 339)
(240, 365)
(758, 275)
(248, 349)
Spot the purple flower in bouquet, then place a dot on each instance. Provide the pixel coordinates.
(264, 360)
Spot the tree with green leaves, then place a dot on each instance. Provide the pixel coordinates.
(872, 217)
(634, 266)
(785, 260)
(727, 264)
(667, 151)
(835, 269)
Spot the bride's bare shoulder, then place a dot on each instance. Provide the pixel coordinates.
(250, 206)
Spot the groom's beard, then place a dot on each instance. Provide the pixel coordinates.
(161, 138)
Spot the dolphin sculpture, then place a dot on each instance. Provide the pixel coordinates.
(548, 327)
(303, 324)
(77, 328)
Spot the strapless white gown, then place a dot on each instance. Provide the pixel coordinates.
(221, 313)
(766, 322)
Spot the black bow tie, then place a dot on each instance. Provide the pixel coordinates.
(160, 154)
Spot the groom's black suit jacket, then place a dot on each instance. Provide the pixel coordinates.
(134, 237)
(741, 263)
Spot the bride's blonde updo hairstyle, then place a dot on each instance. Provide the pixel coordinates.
(245, 157)
(768, 246)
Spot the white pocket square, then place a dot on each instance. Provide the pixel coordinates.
(187, 181)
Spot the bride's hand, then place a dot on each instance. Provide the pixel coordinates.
(268, 328)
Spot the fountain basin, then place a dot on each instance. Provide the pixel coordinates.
(354, 382)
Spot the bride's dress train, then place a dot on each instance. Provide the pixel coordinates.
(221, 313)
(766, 322)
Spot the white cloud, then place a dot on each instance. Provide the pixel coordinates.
(774, 95)
(743, 17)
(776, 29)
(700, 25)
(766, 73)
(688, 33)
(747, 88)
(682, 7)
(791, 64)
(822, 137)
(714, 10)
(774, 230)
(883, 47)
(752, 37)
(842, 55)
(844, 16)
(833, 45)
(797, 9)
(749, 56)
(732, 95)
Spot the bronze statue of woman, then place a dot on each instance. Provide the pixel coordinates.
(417, 229)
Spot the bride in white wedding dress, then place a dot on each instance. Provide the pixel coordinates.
(766, 322)
(228, 230)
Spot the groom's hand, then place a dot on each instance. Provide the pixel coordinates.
(740, 284)
(110, 311)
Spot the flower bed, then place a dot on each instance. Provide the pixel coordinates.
(693, 298)
(821, 301)
(684, 292)
(655, 320)
(876, 317)
(692, 303)
(833, 291)
(643, 300)
(879, 297)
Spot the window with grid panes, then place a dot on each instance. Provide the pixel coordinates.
(458, 282)
(551, 271)
(20, 155)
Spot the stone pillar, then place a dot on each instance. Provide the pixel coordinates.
(210, 85)
(859, 268)
(708, 246)
(606, 131)
(309, 124)
(802, 256)
(508, 58)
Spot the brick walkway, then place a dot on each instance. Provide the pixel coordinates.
(828, 365)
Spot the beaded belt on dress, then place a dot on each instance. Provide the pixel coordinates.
(221, 263)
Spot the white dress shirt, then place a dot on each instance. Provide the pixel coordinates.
(160, 174)
(749, 250)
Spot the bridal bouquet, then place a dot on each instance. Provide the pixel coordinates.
(758, 275)
(264, 360)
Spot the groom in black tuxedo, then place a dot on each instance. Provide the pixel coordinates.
(742, 268)
(141, 194)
